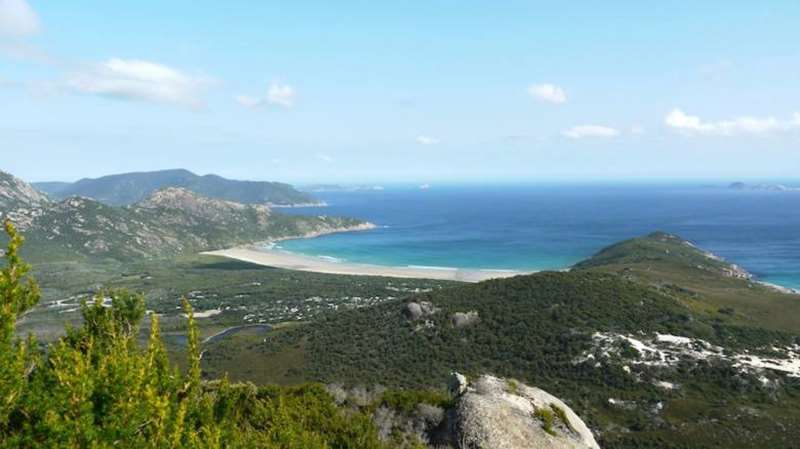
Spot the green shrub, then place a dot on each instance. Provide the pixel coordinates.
(406, 400)
(561, 415)
(512, 386)
(548, 419)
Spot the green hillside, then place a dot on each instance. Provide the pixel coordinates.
(129, 188)
(575, 334)
(703, 282)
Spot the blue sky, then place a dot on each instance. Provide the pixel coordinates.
(420, 91)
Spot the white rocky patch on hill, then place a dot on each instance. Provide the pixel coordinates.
(664, 350)
(182, 199)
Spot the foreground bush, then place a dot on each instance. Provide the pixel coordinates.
(96, 388)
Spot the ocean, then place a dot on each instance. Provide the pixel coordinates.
(550, 227)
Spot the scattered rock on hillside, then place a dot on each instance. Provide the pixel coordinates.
(462, 319)
(416, 310)
(458, 384)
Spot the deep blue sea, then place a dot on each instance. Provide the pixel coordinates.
(538, 227)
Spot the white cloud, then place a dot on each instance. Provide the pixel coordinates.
(427, 140)
(18, 19)
(679, 120)
(548, 92)
(277, 94)
(133, 79)
(281, 94)
(324, 157)
(584, 131)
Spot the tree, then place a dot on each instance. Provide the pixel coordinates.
(18, 293)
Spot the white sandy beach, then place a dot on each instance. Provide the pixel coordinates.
(291, 261)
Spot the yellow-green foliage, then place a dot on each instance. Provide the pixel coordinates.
(17, 359)
(548, 419)
(548, 416)
(407, 400)
(96, 388)
(512, 386)
(561, 415)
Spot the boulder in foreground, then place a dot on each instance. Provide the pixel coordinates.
(494, 413)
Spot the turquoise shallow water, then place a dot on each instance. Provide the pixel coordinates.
(554, 226)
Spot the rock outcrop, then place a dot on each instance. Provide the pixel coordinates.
(417, 310)
(494, 413)
(463, 319)
(203, 208)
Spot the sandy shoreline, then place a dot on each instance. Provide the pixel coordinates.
(292, 261)
(780, 288)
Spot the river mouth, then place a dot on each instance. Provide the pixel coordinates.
(257, 329)
(181, 340)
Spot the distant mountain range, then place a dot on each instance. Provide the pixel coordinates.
(129, 188)
(169, 221)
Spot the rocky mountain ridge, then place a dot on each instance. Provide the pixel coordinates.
(168, 222)
(16, 193)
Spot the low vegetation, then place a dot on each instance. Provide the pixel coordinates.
(538, 329)
(244, 293)
(561, 415)
(704, 283)
(547, 417)
(96, 387)
(407, 400)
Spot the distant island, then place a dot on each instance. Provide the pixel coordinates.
(316, 188)
(129, 188)
(763, 187)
